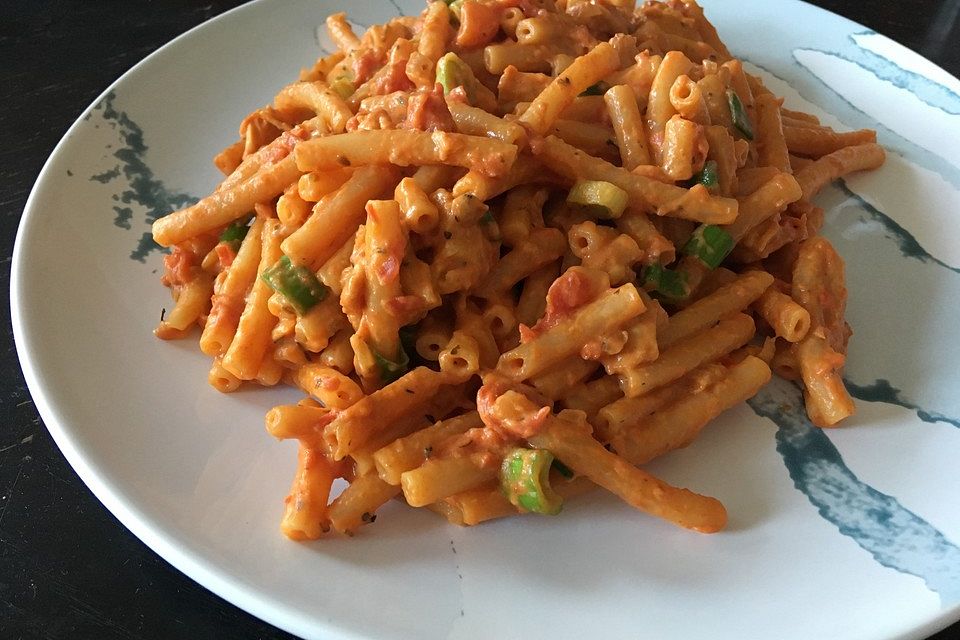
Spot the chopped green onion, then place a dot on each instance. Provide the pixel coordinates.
(486, 218)
(710, 244)
(708, 176)
(343, 87)
(391, 370)
(525, 480)
(670, 284)
(597, 89)
(297, 284)
(739, 115)
(453, 72)
(236, 232)
(609, 199)
(455, 6)
(563, 469)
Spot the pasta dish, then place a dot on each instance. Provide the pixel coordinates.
(513, 250)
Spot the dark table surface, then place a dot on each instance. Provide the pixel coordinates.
(68, 568)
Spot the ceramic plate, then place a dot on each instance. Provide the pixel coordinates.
(847, 533)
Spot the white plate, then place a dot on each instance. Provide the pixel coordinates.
(865, 548)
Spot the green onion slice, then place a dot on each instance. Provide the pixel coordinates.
(670, 284)
(343, 87)
(710, 244)
(297, 284)
(392, 370)
(739, 115)
(525, 480)
(453, 72)
(235, 232)
(708, 176)
(609, 200)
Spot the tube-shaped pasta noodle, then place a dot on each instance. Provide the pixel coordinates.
(438, 478)
(679, 423)
(592, 396)
(818, 285)
(431, 177)
(771, 144)
(341, 32)
(767, 201)
(331, 272)
(193, 302)
(221, 379)
(477, 122)
(618, 418)
(419, 214)
(613, 309)
(269, 372)
(336, 217)
(705, 312)
(319, 98)
(686, 98)
(230, 158)
(684, 148)
(721, 150)
(586, 70)
(816, 175)
(435, 32)
(654, 247)
(523, 57)
(659, 107)
(640, 346)
(628, 126)
(816, 142)
(223, 207)
(525, 170)
(461, 355)
(433, 335)
(252, 338)
(595, 139)
(270, 153)
(358, 503)
(573, 445)
(533, 298)
(714, 92)
(827, 399)
(554, 383)
(385, 242)
(542, 29)
(411, 451)
(305, 515)
(339, 353)
(357, 424)
(487, 156)
(300, 422)
(313, 185)
(683, 357)
(643, 193)
(541, 247)
(518, 86)
(329, 386)
(788, 319)
(292, 210)
(488, 502)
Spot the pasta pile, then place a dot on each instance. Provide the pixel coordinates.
(512, 250)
